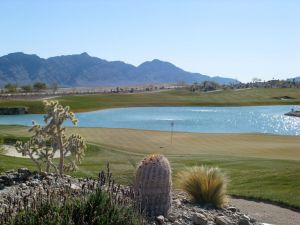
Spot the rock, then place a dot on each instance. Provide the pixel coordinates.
(34, 183)
(7, 179)
(223, 220)
(43, 174)
(24, 170)
(232, 209)
(171, 217)
(75, 187)
(245, 217)
(160, 219)
(244, 221)
(177, 202)
(185, 216)
(199, 219)
(183, 212)
(23, 186)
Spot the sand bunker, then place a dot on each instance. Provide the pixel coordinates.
(10, 150)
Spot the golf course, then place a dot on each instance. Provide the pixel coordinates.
(236, 97)
(259, 166)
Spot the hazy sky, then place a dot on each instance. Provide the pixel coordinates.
(234, 38)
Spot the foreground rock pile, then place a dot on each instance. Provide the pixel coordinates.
(15, 186)
(184, 212)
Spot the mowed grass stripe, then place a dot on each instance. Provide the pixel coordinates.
(184, 143)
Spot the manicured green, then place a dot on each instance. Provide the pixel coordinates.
(246, 97)
(272, 175)
(259, 166)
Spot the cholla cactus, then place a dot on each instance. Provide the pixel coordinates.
(51, 138)
(153, 185)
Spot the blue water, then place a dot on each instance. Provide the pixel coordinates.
(254, 119)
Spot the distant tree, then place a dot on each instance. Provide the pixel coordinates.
(194, 87)
(51, 138)
(54, 87)
(181, 84)
(38, 86)
(256, 80)
(27, 88)
(11, 88)
(205, 86)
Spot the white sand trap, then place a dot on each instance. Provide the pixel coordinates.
(10, 150)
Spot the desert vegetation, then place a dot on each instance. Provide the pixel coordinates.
(153, 185)
(205, 185)
(97, 208)
(90, 201)
(65, 200)
(27, 88)
(51, 138)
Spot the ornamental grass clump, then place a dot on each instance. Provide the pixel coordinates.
(205, 185)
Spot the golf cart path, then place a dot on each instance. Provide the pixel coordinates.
(267, 213)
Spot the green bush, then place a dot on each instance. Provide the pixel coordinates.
(205, 185)
(99, 208)
(11, 140)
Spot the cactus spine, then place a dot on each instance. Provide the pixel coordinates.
(153, 185)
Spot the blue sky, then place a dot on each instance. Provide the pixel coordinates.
(234, 38)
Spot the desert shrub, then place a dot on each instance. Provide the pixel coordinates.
(51, 138)
(97, 201)
(205, 185)
(10, 140)
(99, 208)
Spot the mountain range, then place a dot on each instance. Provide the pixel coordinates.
(85, 70)
(295, 78)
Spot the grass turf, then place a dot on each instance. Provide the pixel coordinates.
(260, 166)
(246, 97)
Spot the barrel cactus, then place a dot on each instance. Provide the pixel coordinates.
(153, 185)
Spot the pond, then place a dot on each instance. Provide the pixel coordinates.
(252, 119)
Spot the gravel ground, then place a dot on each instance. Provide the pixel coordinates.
(18, 186)
(267, 213)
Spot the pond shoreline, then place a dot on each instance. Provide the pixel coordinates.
(243, 119)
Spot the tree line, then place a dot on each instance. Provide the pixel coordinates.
(256, 83)
(36, 87)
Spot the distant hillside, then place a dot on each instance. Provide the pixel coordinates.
(85, 70)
